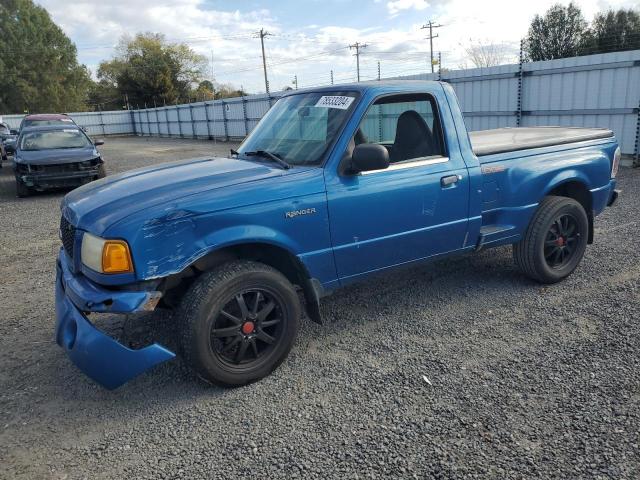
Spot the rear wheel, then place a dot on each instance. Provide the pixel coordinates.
(239, 323)
(555, 240)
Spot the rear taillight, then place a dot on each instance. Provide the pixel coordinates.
(616, 163)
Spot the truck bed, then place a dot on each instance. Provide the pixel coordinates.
(501, 140)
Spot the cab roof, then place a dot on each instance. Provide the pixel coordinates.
(382, 86)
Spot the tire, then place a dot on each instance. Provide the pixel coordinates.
(22, 190)
(102, 172)
(208, 335)
(554, 242)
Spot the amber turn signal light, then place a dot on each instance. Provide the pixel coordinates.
(116, 257)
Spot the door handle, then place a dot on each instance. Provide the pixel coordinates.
(450, 180)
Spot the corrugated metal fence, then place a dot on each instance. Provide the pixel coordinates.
(226, 119)
(118, 122)
(592, 91)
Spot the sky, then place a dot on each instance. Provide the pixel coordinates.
(308, 39)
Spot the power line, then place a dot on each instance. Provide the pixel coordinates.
(293, 60)
(186, 40)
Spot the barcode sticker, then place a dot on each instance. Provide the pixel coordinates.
(335, 101)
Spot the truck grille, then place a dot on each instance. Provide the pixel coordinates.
(67, 235)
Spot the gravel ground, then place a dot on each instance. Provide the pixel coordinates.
(460, 369)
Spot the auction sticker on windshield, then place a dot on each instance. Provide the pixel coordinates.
(335, 101)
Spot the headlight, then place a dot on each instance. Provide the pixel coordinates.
(616, 163)
(106, 256)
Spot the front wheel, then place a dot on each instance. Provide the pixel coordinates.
(239, 323)
(555, 240)
(22, 190)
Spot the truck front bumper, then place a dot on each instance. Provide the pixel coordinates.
(99, 356)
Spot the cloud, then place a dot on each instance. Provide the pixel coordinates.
(296, 48)
(396, 6)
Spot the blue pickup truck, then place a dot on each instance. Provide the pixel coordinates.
(333, 185)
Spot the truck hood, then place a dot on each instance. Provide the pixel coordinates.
(99, 204)
(56, 156)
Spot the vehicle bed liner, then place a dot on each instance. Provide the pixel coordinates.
(501, 140)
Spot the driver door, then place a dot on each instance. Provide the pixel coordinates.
(405, 212)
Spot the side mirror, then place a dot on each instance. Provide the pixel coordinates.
(369, 156)
(13, 131)
(98, 142)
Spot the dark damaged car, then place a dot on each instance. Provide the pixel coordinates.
(55, 156)
(7, 141)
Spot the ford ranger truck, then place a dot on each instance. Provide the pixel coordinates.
(333, 185)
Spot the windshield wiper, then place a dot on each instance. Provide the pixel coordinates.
(272, 156)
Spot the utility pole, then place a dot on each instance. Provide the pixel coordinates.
(263, 34)
(378, 70)
(295, 81)
(213, 87)
(357, 47)
(431, 26)
(331, 77)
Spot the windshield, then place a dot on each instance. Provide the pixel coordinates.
(300, 128)
(42, 123)
(54, 139)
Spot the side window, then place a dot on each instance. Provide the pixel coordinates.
(407, 125)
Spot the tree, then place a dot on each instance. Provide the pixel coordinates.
(103, 95)
(613, 32)
(226, 90)
(484, 55)
(205, 91)
(560, 33)
(39, 71)
(147, 68)
(208, 90)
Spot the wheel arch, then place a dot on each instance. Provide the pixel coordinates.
(576, 189)
(261, 251)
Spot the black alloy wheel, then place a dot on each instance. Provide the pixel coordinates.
(561, 241)
(247, 328)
